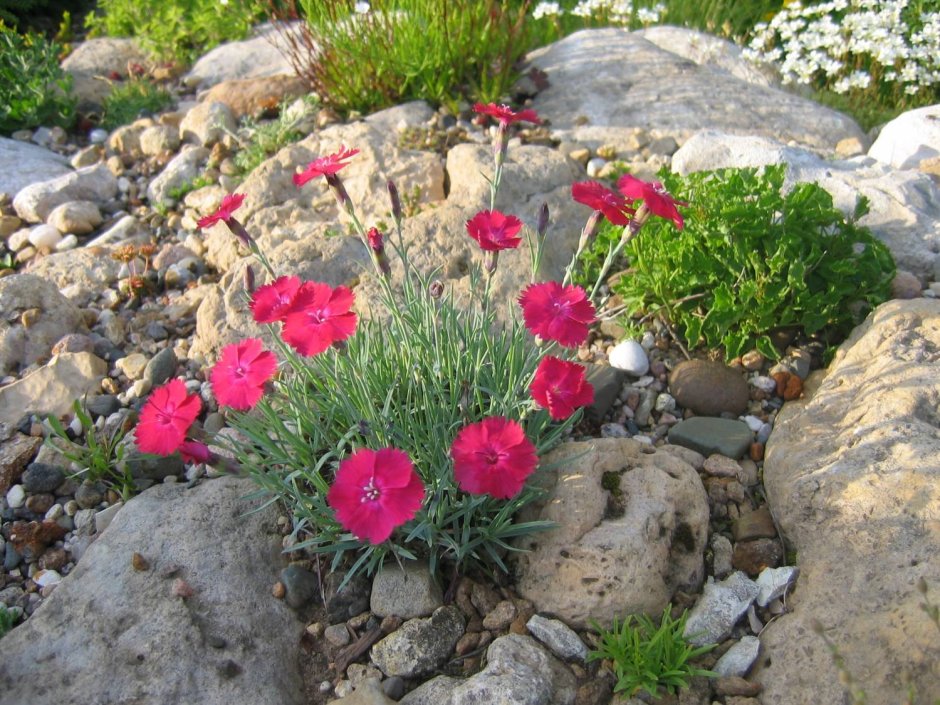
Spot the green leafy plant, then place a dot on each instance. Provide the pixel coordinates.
(7, 619)
(129, 99)
(100, 456)
(647, 656)
(400, 50)
(259, 140)
(178, 30)
(750, 259)
(34, 90)
(179, 192)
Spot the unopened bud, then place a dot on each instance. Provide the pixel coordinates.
(395, 199)
(249, 279)
(436, 289)
(375, 240)
(238, 230)
(339, 192)
(541, 226)
(490, 258)
(590, 229)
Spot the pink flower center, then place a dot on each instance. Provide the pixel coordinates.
(239, 372)
(490, 456)
(316, 317)
(370, 493)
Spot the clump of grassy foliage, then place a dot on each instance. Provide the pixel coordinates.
(132, 99)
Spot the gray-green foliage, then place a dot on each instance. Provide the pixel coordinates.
(751, 258)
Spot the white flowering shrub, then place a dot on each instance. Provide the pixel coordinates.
(884, 48)
(605, 12)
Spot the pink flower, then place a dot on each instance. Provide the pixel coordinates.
(319, 317)
(654, 195)
(239, 376)
(493, 457)
(195, 452)
(325, 166)
(593, 194)
(375, 491)
(560, 387)
(557, 313)
(271, 302)
(230, 204)
(495, 231)
(505, 114)
(166, 417)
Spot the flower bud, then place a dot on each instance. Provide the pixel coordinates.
(395, 199)
(249, 279)
(238, 230)
(541, 226)
(490, 259)
(436, 289)
(375, 240)
(590, 229)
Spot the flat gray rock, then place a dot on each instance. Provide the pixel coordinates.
(615, 80)
(111, 634)
(258, 56)
(708, 435)
(26, 164)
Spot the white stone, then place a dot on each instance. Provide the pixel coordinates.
(16, 497)
(630, 357)
(45, 578)
(69, 242)
(44, 236)
(18, 240)
(719, 609)
(557, 636)
(773, 582)
(94, 183)
(594, 166)
(909, 139)
(105, 516)
(752, 422)
(737, 660)
(32, 164)
(763, 383)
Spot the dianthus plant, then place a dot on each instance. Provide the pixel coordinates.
(416, 431)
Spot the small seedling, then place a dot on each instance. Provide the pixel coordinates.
(647, 657)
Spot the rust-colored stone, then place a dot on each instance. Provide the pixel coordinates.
(15, 455)
(753, 556)
(31, 538)
(757, 451)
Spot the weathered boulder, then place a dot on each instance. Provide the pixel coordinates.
(632, 522)
(93, 183)
(256, 57)
(54, 387)
(851, 472)
(253, 96)
(909, 139)
(605, 81)
(706, 50)
(95, 58)
(33, 164)
(81, 275)
(198, 625)
(178, 173)
(33, 317)
(905, 205)
(206, 123)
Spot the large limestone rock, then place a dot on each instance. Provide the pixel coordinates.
(257, 57)
(116, 634)
(852, 474)
(605, 81)
(33, 164)
(81, 275)
(909, 139)
(33, 317)
(905, 205)
(94, 183)
(53, 388)
(93, 61)
(706, 50)
(620, 551)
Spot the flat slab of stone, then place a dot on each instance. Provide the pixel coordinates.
(111, 633)
(33, 164)
(852, 474)
(709, 435)
(607, 80)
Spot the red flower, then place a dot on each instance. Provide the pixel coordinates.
(505, 114)
(195, 452)
(495, 231)
(166, 417)
(319, 317)
(602, 199)
(375, 491)
(375, 240)
(493, 457)
(272, 302)
(557, 313)
(238, 377)
(325, 166)
(560, 387)
(654, 195)
(230, 204)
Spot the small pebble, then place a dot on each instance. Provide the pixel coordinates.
(278, 590)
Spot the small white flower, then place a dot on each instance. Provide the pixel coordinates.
(362, 7)
(547, 9)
